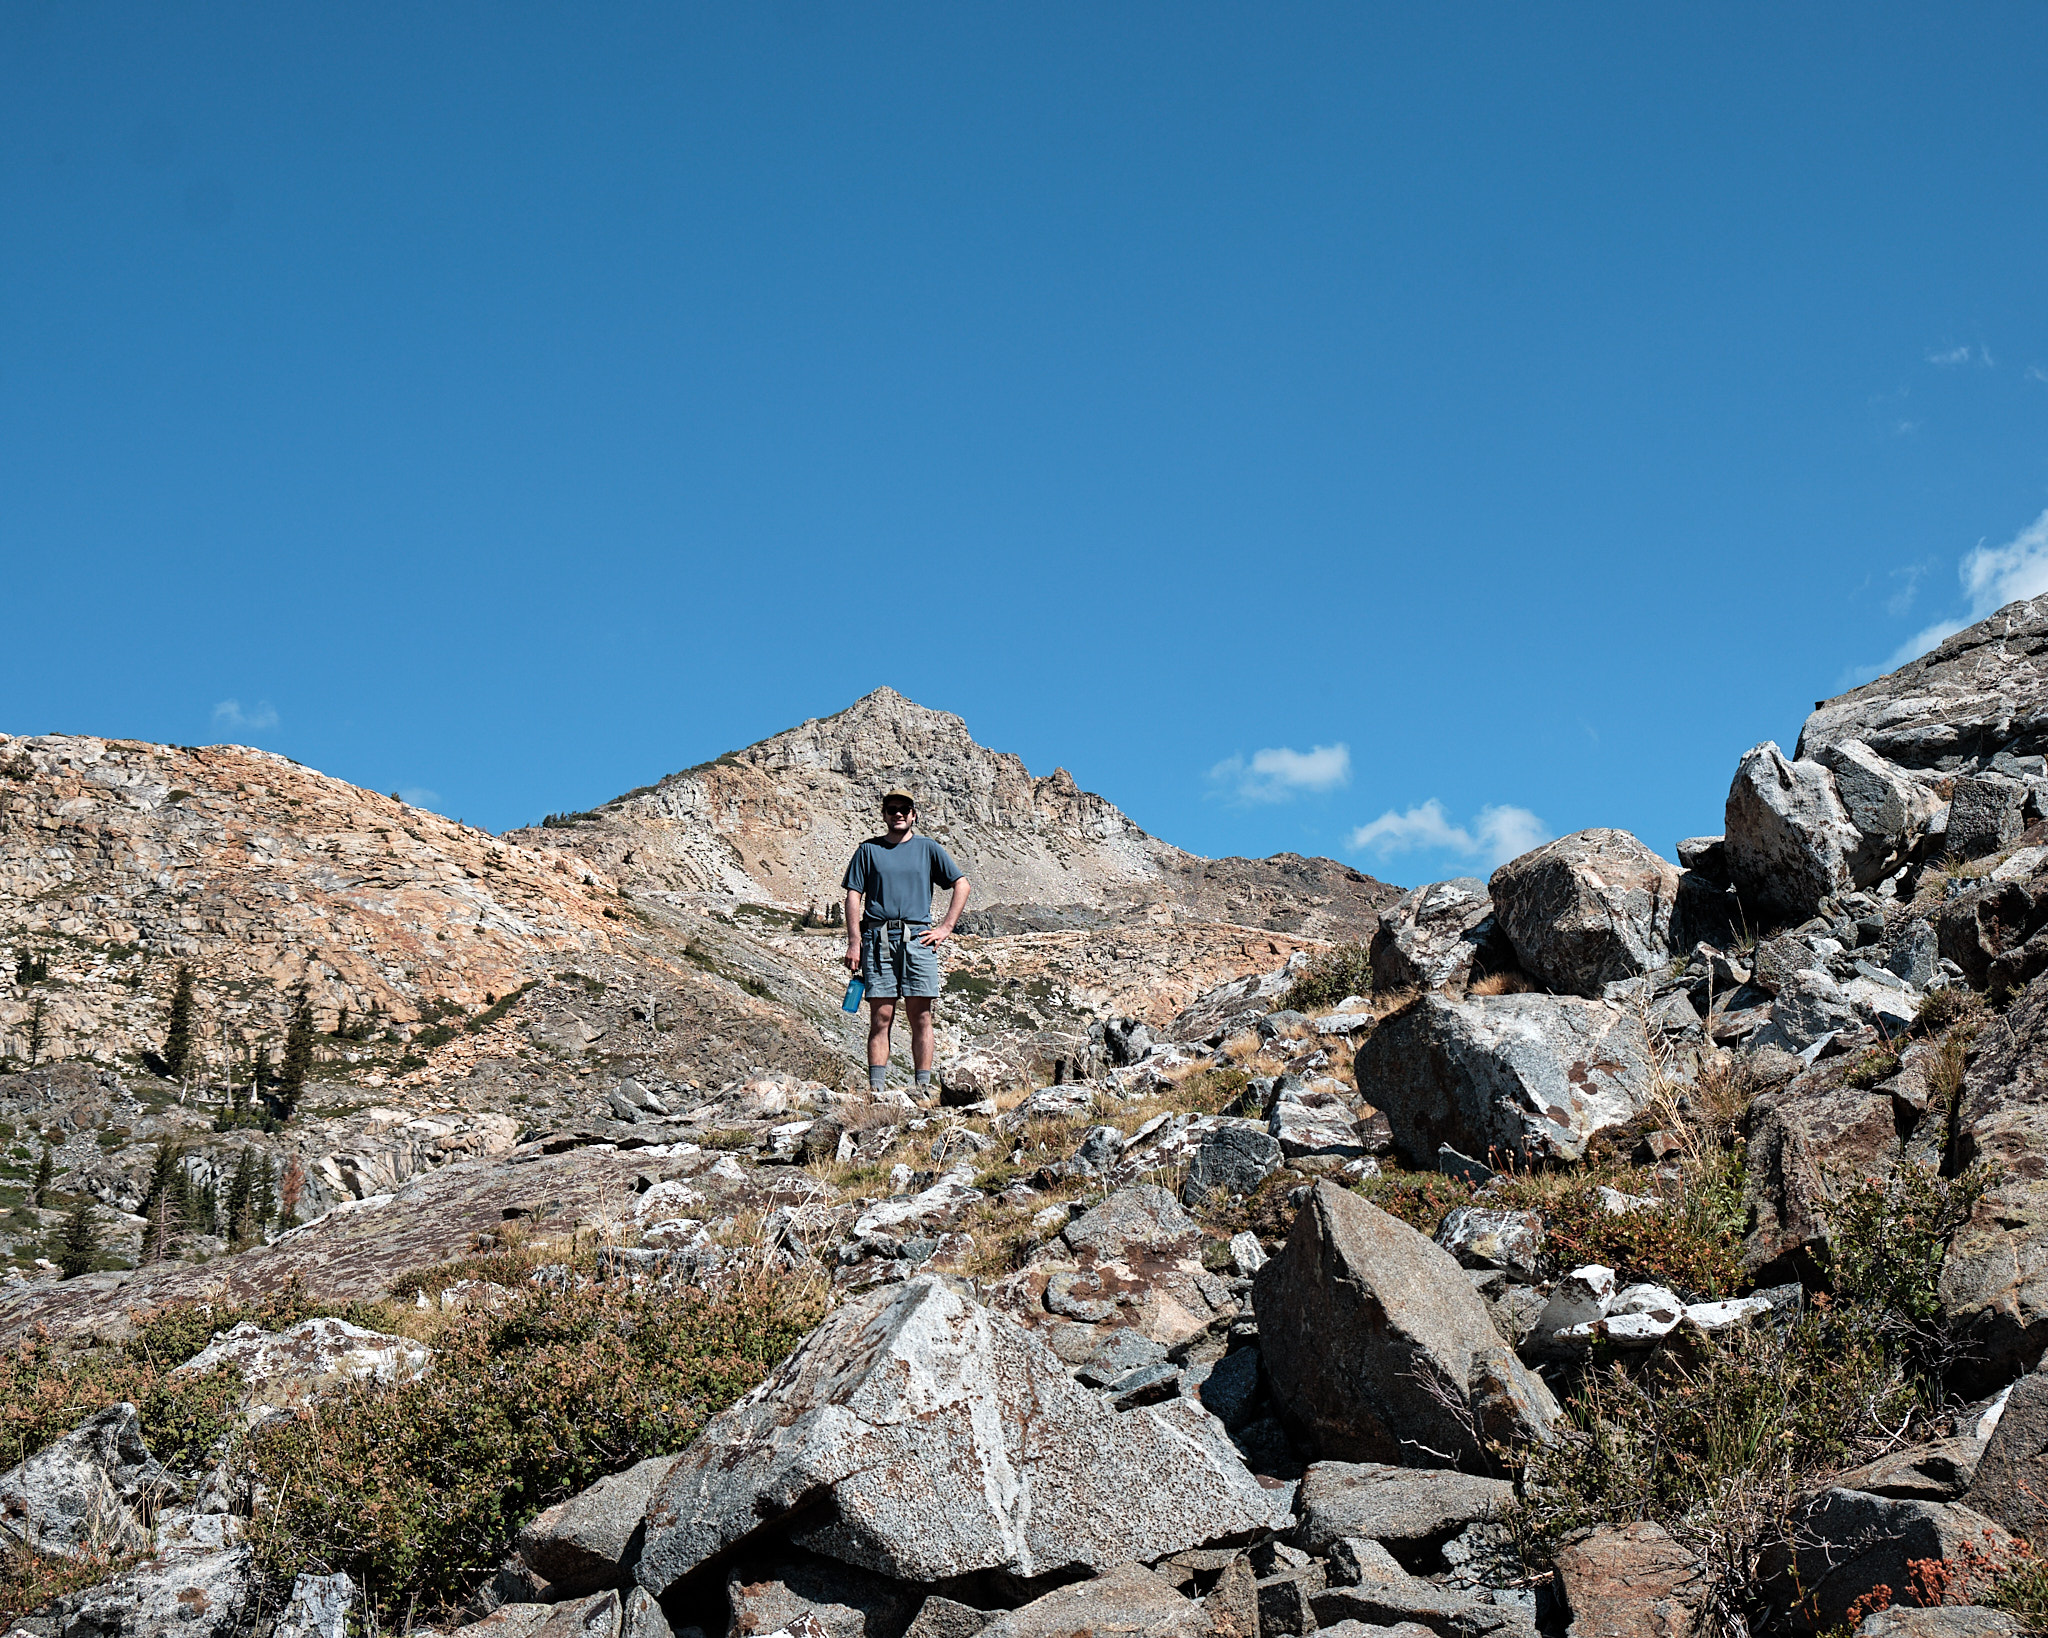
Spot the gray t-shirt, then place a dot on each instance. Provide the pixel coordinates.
(897, 882)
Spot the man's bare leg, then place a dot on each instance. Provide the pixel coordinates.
(881, 1015)
(920, 1036)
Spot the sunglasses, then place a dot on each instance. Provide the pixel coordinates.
(896, 807)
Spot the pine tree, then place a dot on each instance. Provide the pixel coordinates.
(298, 1056)
(341, 1023)
(206, 1210)
(46, 1170)
(241, 1198)
(166, 1204)
(35, 1032)
(78, 1247)
(266, 1193)
(178, 1037)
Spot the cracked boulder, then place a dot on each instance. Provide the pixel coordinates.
(921, 1436)
(1532, 1076)
(1379, 1350)
(1587, 910)
(1789, 840)
(1438, 937)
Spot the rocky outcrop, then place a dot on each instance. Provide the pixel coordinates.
(1438, 937)
(920, 1436)
(1533, 1076)
(178, 1595)
(2010, 1482)
(1587, 909)
(1983, 691)
(288, 1368)
(264, 875)
(1789, 841)
(1377, 1348)
(94, 1491)
(1994, 1282)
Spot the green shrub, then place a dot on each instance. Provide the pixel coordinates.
(1327, 979)
(416, 1490)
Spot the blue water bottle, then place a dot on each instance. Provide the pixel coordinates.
(856, 987)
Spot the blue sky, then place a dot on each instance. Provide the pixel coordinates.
(1400, 433)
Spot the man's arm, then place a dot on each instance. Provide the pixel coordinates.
(855, 902)
(954, 905)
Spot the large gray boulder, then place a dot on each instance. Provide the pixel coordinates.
(1984, 817)
(1436, 937)
(1997, 932)
(1405, 1507)
(1983, 691)
(177, 1595)
(92, 1490)
(2010, 1483)
(1532, 1076)
(1849, 1543)
(922, 1436)
(1789, 840)
(1994, 1283)
(1587, 909)
(1892, 811)
(589, 1542)
(1378, 1349)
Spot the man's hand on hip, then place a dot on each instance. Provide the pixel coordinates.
(935, 936)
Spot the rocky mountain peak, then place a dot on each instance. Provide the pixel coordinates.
(776, 822)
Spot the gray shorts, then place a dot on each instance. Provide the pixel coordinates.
(894, 963)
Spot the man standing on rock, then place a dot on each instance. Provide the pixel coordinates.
(890, 939)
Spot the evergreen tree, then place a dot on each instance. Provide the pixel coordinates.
(298, 1056)
(341, 1023)
(241, 1198)
(46, 1169)
(166, 1204)
(78, 1246)
(178, 1037)
(206, 1211)
(35, 1032)
(266, 1193)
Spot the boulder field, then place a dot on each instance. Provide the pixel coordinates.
(1253, 1289)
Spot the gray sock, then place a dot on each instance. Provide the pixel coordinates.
(924, 1077)
(878, 1077)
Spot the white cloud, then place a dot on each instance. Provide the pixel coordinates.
(1499, 833)
(230, 715)
(1992, 577)
(1949, 357)
(2036, 373)
(1278, 772)
(418, 796)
